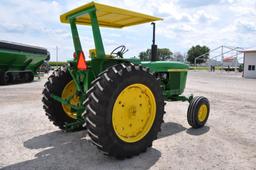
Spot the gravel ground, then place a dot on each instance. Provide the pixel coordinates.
(228, 141)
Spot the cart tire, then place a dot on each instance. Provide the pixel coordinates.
(54, 110)
(103, 108)
(198, 112)
(27, 77)
(4, 78)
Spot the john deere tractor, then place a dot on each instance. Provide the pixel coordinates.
(119, 101)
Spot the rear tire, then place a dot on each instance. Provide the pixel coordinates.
(198, 112)
(54, 109)
(100, 110)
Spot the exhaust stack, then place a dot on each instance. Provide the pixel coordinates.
(154, 56)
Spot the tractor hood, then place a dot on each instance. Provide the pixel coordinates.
(165, 66)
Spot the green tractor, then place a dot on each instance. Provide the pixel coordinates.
(119, 101)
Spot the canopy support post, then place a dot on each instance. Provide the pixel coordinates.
(75, 36)
(100, 52)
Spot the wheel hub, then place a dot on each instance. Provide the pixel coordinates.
(202, 112)
(70, 91)
(134, 113)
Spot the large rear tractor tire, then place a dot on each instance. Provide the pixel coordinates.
(198, 112)
(60, 84)
(124, 110)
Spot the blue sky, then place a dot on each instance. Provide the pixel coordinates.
(186, 23)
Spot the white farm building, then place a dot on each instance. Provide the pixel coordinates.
(249, 63)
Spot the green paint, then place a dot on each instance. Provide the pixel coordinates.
(175, 82)
(163, 66)
(181, 98)
(78, 88)
(175, 73)
(75, 35)
(100, 52)
(66, 102)
(11, 60)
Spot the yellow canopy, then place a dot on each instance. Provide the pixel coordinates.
(109, 16)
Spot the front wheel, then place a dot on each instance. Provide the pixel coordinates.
(124, 110)
(198, 112)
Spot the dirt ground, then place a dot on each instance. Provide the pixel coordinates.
(29, 141)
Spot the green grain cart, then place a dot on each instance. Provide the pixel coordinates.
(120, 101)
(19, 62)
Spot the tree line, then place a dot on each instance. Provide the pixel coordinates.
(166, 54)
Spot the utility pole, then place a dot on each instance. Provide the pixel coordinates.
(222, 57)
(57, 53)
(236, 62)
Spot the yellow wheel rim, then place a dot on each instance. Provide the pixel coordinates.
(134, 113)
(202, 112)
(70, 90)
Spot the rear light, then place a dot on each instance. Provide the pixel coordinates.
(81, 64)
(74, 55)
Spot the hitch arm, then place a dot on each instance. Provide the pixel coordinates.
(66, 102)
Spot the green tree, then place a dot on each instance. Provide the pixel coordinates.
(144, 56)
(196, 51)
(163, 54)
(178, 57)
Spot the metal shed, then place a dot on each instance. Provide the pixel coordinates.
(249, 63)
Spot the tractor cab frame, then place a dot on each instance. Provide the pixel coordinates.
(96, 15)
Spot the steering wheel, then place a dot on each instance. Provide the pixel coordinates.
(119, 51)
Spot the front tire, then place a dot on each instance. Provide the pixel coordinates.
(198, 112)
(124, 110)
